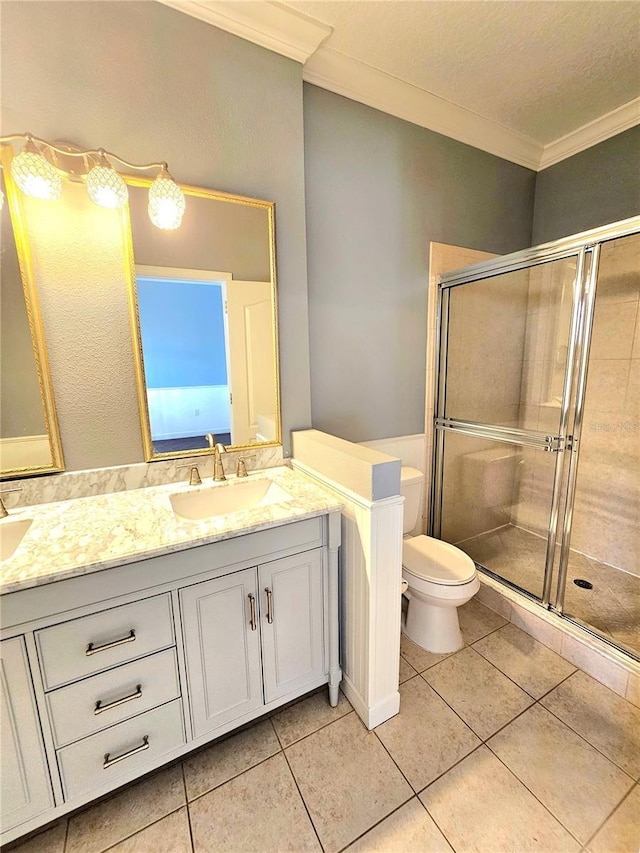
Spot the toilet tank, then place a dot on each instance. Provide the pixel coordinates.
(411, 481)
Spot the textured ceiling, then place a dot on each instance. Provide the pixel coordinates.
(539, 67)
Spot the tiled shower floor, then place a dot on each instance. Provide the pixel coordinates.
(612, 607)
(502, 746)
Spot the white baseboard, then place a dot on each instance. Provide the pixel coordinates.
(379, 713)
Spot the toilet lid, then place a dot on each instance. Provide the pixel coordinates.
(434, 560)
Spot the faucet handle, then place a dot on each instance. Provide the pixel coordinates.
(3, 510)
(194, 475)
(241, 468)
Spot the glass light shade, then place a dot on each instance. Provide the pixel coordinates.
(106, 187)
(166, 202)
(36, 176)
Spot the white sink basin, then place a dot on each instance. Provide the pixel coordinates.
(231, 497)
(11, 535)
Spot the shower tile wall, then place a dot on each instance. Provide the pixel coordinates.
(607, 508)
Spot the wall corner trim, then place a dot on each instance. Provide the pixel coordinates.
(342, 74)
(270, 25)
(604, 127)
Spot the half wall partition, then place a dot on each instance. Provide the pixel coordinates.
(537, 451)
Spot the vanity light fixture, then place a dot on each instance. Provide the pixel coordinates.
(166, 202)
(39, 168)
(105, 186)
(34, 175)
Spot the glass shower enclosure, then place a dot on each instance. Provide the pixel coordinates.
(537, 428)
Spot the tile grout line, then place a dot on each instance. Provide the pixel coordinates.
(497, 668)
(66, 836)
(138, 831)
(379, 739)
(262, 761)
(186, 803)
(315, 731)
(592, 745)
(611, 814)
(472, 730)
(231, 778)
(450, 707)
(546, 808)
(444, 772)
(377, 823)
(440, 775)
(302, 799)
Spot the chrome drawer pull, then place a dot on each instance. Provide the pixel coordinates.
(109, 762)
(269, 605)
(93, 650)
(252, 607)
(100, 708)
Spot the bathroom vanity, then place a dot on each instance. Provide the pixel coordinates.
(132, 635)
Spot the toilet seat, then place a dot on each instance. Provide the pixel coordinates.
(436, 561)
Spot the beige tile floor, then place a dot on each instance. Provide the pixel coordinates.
(502, 746)
(612, 607)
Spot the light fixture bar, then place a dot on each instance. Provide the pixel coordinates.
(36, 175)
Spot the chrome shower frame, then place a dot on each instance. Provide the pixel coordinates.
(585, 247)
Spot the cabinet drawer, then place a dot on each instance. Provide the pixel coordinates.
(138, 743)
(102, 640)
(110, 697)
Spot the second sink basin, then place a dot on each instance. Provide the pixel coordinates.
(11, 535)
(232, 497)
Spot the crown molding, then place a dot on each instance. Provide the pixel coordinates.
(354, 79)
(278, 28)
(288, 32)
(608, 125)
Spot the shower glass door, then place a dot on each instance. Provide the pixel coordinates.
(502, 426)
(537, 450)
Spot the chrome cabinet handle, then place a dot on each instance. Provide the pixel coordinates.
(109, 762)
(269, 605)
(93, 650)
(252, 607)
(100, 708)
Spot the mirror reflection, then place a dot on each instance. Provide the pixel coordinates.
(204, 324)
(29, 440)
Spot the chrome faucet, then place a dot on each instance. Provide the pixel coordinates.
(217, 448)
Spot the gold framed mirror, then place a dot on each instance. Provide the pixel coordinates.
(203, 312)
(29, 432)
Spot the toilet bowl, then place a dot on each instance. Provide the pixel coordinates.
(440, 579)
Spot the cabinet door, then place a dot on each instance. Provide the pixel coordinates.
(26, 787)
(292, 623)
(222, 647)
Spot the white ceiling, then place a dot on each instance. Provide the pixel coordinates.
(531, 80)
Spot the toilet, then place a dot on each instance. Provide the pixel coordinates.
(440, 578)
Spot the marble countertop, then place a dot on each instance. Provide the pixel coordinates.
(89, 534)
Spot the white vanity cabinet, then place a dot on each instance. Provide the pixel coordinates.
(253, 637)
(292, 623)
(26, 787)
(222, 649)
(109, 675)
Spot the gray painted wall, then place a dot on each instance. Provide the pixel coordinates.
(592, 188)
(378, 190)
(152, 84)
